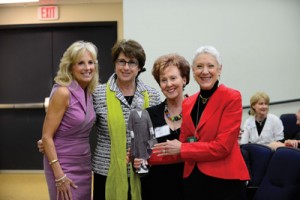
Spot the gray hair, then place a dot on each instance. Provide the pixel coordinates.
(210, 50)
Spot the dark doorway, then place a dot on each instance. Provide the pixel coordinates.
(29, 58)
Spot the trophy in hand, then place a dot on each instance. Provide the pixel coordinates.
(142, 136)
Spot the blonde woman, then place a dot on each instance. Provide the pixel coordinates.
(261, 127)
(68, 122)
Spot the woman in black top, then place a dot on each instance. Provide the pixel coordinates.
(164, 180)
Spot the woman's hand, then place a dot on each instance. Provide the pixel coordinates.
(40, 146)
(64, 188)
(274, 145)
(170, 147)
(128, 156)
(137, 163)
(292, 143)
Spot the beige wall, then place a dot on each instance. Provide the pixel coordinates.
(100, 12)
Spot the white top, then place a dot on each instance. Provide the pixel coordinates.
(272, 131)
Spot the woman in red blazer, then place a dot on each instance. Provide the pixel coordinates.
(214, 167)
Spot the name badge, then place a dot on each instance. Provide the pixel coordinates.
(162, 131)
(192, 139)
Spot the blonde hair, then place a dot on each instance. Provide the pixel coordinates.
(255, 98)
(64, 76)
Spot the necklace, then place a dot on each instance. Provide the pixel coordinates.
(204, 100)
(172, 118)
(261, 122)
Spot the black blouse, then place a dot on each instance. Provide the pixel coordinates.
(199, 105)
(157, 115)
(163, 181)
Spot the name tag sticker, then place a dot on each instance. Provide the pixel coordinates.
(192, 139)
(162, 131)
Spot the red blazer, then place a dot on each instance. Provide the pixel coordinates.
(216, 152)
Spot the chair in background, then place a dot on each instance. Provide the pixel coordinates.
(257, 158)
(290, 127)
(282, 179)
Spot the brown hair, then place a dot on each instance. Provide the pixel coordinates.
(131, 49)
(164, 61)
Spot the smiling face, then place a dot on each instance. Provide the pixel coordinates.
(126, 73)
(206, 70)
(261, 108)
(171, 82)
(84, 69)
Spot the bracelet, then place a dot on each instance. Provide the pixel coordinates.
(61, 179)
(53, 161)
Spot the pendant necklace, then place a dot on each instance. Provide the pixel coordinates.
(204, 100)
(261, 122)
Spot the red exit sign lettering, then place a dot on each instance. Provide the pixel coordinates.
(48, 13)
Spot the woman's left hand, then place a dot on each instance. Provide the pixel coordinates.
(64, 189)
(170, 147)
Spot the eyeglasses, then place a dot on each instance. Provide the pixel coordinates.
(131, 63)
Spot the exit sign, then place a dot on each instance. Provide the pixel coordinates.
(48, 13)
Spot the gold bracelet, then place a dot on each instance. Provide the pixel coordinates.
(53, 161)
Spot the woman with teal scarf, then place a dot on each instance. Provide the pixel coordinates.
(113, 101)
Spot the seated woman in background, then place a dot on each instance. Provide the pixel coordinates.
(261, 127)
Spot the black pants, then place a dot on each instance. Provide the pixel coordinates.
(200, 186)
(99, 187)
